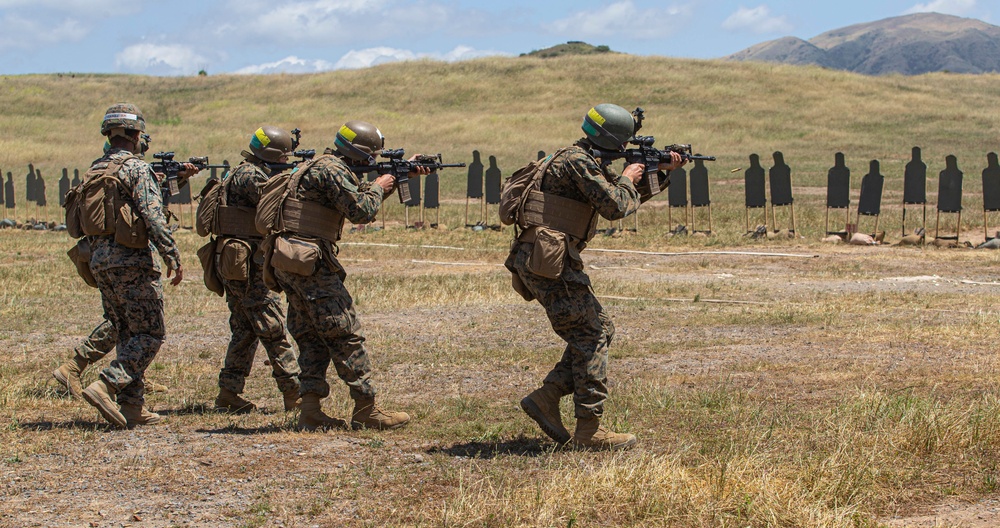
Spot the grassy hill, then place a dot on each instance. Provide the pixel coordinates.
(513, 107)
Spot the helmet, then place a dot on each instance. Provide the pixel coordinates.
(270, 143)
(609, 126)
(125, 116)
(359, 141)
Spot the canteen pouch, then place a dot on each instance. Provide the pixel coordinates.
(206, 254)
(234, 259)
(130, 229)
(295, 255)
(80, 255)
(548, 253)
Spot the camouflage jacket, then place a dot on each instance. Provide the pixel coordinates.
(244, 182)
(576, 174)
(139, 180)
(331, 183)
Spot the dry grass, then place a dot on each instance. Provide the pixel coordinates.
(844, 391)
(513, 107)
(845, 397)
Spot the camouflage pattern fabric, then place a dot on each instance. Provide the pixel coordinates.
(133, 302)
(569, 301)
(322, 321)
(321, 316)
(138, 177)
(129, 281)
(255, 311)
(97, 345)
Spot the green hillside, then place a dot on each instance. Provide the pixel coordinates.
(513, 107)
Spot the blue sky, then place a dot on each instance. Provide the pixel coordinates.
(181, 37)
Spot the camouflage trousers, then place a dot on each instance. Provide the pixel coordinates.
(322, 321)
(256, 316)
(579, 319)
(97, 345)
(133, 303)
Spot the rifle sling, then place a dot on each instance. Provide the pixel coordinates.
(237, 221)
(559, 213)
(311, 219)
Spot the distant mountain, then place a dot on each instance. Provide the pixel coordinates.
(573, 47)
(911, 45)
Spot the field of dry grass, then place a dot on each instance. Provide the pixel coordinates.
(803, 385)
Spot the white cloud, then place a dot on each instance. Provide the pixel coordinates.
(374, 56)
(949, 7)
(364, 58)
(290, 64)
(262, 22)
(757, 20)
(18, 32)
(160, 59)
(622, 18)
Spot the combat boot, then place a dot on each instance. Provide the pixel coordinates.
(591, 435)
(291, 399)
(312, 418)
(542, 406)
(230, 402)
(139, 415)
(99, 394)
(368, 414)
(152, 386)
(69, 375)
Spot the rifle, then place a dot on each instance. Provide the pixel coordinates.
(650, 157)
(171, 186)
(401, 168)
(303, 155)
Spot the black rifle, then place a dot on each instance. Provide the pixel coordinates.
(650, 157)
(166, 165)
(401, 168)
(303, 155)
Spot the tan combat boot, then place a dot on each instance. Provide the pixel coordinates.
(590, 435)
(368, 414)
(312, 418)
(139, 415)
(542, 406)
(291, 399)
(69, 375)
(99, 394)
(152, 386)
(229, 401)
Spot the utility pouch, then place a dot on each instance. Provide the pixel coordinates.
(234, 259)
(548, 253)
(295, 255)
(130, 229)
(97, 208)
(80, 255)
(206, 254)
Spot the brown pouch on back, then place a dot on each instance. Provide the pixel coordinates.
(234, 259)
(295, 255)
(206, 254)
(130, 229)
(80, 255)
(548, 253)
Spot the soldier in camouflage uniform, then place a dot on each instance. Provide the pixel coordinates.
(129, 278)
(566, 294)
(321, 316)
(255, 311)
(101, 340)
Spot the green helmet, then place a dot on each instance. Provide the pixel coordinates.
(609, 126)
(123, 115)
(270, 143)
(359, 141)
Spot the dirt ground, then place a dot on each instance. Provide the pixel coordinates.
(459, 368)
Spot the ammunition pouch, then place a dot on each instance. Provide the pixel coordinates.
(79, 254)
(234, 259)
